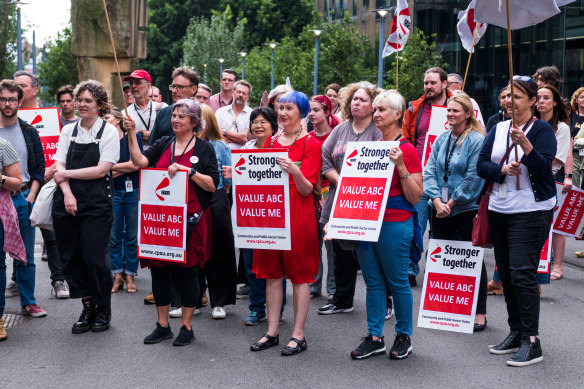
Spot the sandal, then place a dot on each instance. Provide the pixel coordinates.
(579, 254)
(300, 346)
(130, 286)
(271, 341)
(493, 290)
(118, 283)
(556, 275)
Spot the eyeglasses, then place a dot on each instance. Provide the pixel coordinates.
(179, 87)
(453, 82)
(228, 79)
(525, 79)
(259, 123)
(12, 100)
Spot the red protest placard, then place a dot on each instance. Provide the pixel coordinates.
(360, 198)
(569, 215)
(162, 225)
(47, 123)
(260, 206)
(449, 293)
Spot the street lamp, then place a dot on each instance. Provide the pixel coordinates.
(34, 54)
(382, 14)
(272, 46)
(221, 60)
(205, 73)
(243, 54)
(18, 4)
(316, 44)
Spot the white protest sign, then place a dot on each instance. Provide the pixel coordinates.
(437, 125)
(162, 211)
(47, 123)
(261, 202)
(361, 196)
(451, 286)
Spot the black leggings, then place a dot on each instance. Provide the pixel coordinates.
(184, 277)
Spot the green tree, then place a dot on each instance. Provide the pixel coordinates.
(8, 41)
(208, 40)
(420, 53)
(60, 68)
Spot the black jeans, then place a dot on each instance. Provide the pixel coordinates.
(346, 267)
(459, 227)
(184, 277)
(53, 258)
(518, 239)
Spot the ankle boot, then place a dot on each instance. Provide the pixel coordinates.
(83, 324)
(103, 314)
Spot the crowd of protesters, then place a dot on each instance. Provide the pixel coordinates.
(92, 250)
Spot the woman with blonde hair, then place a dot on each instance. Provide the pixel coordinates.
(453, 186)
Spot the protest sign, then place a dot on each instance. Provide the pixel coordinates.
(545, 257)
(47, 123)
(162, 211)
(261, 202)
(451, 286)
(361, 196)
(568, 214)
(437, 125)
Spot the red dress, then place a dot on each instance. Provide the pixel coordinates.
(199, 246)
(300, 264)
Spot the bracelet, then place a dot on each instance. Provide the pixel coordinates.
(406, 176)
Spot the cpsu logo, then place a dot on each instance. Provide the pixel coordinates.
(163, 184)
(35, 122)
(238, 166)
(351, 158)
(435, 255)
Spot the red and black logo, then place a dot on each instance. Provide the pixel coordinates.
(163, 184)
(435, 255)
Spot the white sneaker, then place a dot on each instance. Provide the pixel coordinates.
(61, 289)
(218, 313)
(175, 313)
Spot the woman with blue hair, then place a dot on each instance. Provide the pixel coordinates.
(299, 264)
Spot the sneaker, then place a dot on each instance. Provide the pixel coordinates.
(11, 289)
(528, 353)
(389, 309)
(148, 300)
(61, 290)
(331, 309)
(159, 334)
(243, 292)
(185, 337)
(205, 301)
(44, 256)
(402, 346)
(254, 318)
(412, 281)
(175, 313)
(369, 348)
(33, 310)
(508, 346)
(218, 313)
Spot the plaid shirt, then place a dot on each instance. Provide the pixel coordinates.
(13, 244)
(36, 155)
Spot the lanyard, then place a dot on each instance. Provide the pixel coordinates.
(141, 118)
(448, 156)
(183, 153)
(525, 128)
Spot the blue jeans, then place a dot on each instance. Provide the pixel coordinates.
(2, 272)
(123, 246)
(316, 287)
(423, 215)
(257, 287)
(25, 274)
(386, 261)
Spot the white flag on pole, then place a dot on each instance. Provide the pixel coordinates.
(467, 25)
(400, 29)
(524, 13)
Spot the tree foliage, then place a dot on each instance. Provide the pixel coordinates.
(8, 41)
(208, 40)
(420, 53)
(60, 68)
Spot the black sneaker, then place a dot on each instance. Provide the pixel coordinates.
(331, 309)
(389, 309)
(159, 334)
(184, 337)
(402, 346)
(528, 354)
(509, 346)
(369, 348)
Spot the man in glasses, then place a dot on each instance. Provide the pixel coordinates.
(234, 119)
(185, 83)
(225, 97)
(455, 82)
(142, 111)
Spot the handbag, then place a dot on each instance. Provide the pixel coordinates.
(42, 212)
(481, 227)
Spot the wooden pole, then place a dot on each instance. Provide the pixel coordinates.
(396, 67)
(474, 36)
(510, 55)
(109, 28)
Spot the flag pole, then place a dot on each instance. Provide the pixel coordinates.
(510, 54)
(396, 67)
(109, 28)
(474, 36)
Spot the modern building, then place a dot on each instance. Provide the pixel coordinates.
(558, 41)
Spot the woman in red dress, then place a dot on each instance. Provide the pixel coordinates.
(300, 264)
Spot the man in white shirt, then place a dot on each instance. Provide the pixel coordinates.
(234, 119)
(143, 110)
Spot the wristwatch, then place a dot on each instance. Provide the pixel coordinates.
(192, 173)
(3, 180)
(567, 175)
(406, 176)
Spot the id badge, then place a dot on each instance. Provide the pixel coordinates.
(581, 152)
(503, 190)
(129, 186)
(444, 194)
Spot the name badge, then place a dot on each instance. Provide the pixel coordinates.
(129, 186)
(445, 194)
(581, 152)
(503, 190)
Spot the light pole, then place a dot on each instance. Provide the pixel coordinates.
(316, 44)
(18, 4)
(272, 46)
(221, 67)
(34, 53)
(382, 13)
(243, 54)
(205, 73)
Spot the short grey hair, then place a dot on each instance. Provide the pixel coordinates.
(244, 83)
(394, 101)
(193, 110)
(205, 87)
(34, 81)
(457, 77)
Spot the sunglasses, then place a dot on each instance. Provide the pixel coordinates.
(525, 79)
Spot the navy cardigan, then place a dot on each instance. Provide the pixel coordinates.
(538, 162)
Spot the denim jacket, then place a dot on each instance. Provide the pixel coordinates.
(223, 154)
(464, 185)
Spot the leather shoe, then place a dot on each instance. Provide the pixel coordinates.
(103, 315)
(480, 327)
(509, 346)
(87, 316)
(528, 353)
(300, 346)
(271, 341)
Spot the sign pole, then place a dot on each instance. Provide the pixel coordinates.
(474, 36)
(510, 55)
(109, 28)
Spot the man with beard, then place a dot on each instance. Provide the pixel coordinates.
(27, 143)
(234, 119)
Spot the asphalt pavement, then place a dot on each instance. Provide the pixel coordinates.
(43, 353)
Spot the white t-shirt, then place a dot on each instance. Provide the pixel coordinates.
(109, 145)
(479, 115)
(563, 139)
(227, 121)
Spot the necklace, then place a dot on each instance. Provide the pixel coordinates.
(297, 132)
